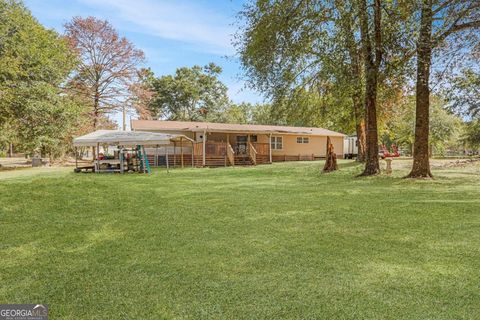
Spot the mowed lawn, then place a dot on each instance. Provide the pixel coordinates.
(278, 241)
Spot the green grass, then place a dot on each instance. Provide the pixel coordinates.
(266, 242)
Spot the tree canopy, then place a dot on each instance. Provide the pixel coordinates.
(356, 59)
(191, 94)
(309, 57)
(464, 93)
(348, 65)
(107, 65)
(34, 63)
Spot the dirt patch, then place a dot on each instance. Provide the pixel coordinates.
(457, 163)
(18, 163)
(406, 163)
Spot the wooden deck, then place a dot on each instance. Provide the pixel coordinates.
(217, 154)
(222, 154)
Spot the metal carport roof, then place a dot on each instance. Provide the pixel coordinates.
(127, 138)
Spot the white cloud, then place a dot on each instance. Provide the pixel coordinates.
(206, 30)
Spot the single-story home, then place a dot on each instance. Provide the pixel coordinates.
(219, 144)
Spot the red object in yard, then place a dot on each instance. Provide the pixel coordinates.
(385, 153)
(101, 156)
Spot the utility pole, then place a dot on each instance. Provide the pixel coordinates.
(124, 116)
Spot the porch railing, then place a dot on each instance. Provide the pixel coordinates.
(252, 153)
(212, 148)
(230, 154)
(224, 149)
(216, 148)
(261, 148)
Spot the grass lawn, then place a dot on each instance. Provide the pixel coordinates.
(266, 242)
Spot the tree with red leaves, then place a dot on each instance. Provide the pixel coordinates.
(107, 65)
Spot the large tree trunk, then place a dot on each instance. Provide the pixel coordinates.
(355, 75)
(331, 158)
(421, 164)
(372, 165)
(10, 150)
(96, 105)
(362, 142)
(360, 128)
(358, 107)
(372, 65)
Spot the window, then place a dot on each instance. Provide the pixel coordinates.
(253, 138)
(241, 139)
(277, 143)
(302, 140)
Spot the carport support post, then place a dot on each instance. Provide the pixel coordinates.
(76, 158)
(120, 156)
(97, 156)
(204, 146)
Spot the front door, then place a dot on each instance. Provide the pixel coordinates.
(241, 145)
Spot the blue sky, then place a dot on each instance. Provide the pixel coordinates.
(171, 33)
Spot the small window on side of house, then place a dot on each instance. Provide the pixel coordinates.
(302, 140)
(277, 143)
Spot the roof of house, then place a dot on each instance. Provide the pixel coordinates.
(161, 125)
(116, 137)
